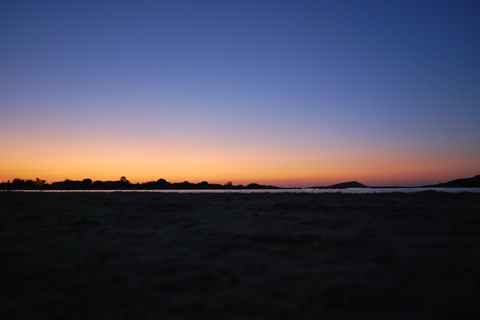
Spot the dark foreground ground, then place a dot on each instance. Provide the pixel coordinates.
(239, 256)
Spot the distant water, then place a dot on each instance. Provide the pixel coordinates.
(347, 190)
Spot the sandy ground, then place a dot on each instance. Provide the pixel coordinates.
(239, 256)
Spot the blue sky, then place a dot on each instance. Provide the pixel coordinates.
(302, 85)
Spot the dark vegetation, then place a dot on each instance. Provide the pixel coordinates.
(122, 184)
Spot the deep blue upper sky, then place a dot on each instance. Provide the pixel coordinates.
(390, 78)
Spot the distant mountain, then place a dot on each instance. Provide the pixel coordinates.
(349, 184)
(344, 185)
(459, 183)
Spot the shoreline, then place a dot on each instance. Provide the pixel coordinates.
(367, 190)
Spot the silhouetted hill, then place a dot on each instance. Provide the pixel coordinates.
(344, 185)
(350, 184)
(473, 182)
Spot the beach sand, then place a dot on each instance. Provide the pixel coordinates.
(239, 256)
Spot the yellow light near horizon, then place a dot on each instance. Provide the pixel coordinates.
(263, 174)
(56, 158)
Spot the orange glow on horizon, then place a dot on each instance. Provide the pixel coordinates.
(56, 157)
(220, 168)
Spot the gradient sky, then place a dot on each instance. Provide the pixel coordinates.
(290, 93)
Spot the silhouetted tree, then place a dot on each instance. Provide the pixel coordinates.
(29, 184)
(6, 185)
(39, 182)
(86, 184)
(17, 182)
(124, 180)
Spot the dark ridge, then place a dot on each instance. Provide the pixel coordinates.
(473, 182)
(344, 185)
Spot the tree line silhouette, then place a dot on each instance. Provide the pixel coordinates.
(122, 184)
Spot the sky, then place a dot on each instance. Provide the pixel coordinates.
(288, 93)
